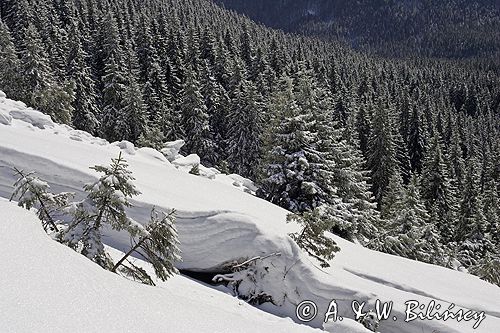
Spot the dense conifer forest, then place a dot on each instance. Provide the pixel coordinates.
(402, 155)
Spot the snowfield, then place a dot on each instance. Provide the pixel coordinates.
(219, 221)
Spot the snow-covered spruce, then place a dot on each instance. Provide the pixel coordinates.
(104, 206)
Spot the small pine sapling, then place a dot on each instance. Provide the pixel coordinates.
(84, 236)
(111, 192)
(158, 243)
(31, 192)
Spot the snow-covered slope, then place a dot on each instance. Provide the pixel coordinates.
(47, 287)
(219, 223)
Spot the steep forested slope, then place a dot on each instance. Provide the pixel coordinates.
(402, 155)
(451, 28)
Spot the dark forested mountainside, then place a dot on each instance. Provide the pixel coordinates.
(403, 155)
(436, 28)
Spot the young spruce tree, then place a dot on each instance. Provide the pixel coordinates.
(104, 206)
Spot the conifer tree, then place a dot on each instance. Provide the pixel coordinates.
(158, 243)
(146, 51)
(10, 80)
(195, 119)
(430, 248)
(491, 210)
(157, 97)
(132, 120)
(86, 111)
(338, 172)
(155, 91)
(455, 158)
(247, 48)
(172, 62)
(207, 47)
(217, 103)
(490, 200)
(351, 184)
(57, 51)
(391, 202)
(472, 225)
(382, 159)
(315, 101)
(416, 141)
(363, 127)
(245, 129)
(39, 87)
(436, 190)
(286, 162)
(410, 232)
(105, 205)
(113, 93)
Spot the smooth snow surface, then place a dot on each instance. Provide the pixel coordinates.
(219, 221)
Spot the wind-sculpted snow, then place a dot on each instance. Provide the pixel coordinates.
(220, 223)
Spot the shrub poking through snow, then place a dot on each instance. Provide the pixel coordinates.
(31, 191)
(370, 321)
(158, 243)
(195, 170)
(312, 237)
(246, 279)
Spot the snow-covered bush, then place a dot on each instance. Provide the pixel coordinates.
(249, 279)
(370, 321)
(172, 148)
(312, 238)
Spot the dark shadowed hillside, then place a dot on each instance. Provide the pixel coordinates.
(450, 28)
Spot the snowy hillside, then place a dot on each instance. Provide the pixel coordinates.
(218, 222)
(47, 287)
